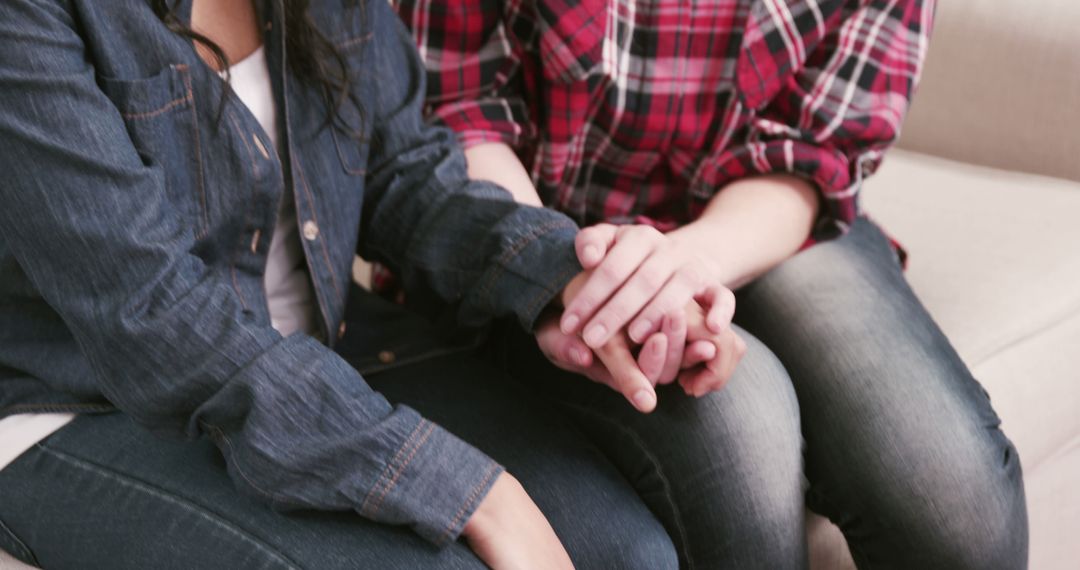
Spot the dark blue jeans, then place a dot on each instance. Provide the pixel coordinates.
(849, 400)
(104, 493)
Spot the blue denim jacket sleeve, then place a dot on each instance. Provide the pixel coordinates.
(169, 343)
(467, 241)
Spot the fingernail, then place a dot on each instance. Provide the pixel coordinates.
(644, 399)
(594, 335)
(591, 254)
(639, 330)
(569, 322)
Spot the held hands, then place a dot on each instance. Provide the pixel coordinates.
(641, 290)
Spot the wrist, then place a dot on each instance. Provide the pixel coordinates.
(704, 240)
(489, 514)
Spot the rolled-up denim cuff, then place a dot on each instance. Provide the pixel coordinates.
(435, 481)
(542, 266)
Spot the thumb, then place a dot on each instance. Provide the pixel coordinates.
(719, 301)
(592, 244)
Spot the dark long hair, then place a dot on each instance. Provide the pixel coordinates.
(311, 57)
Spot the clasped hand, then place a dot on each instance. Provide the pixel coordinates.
(644, 312)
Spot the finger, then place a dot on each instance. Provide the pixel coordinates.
(626, 377)
(593, 242)
(565, 351)
(736, 352)
(698, 352)
(719, 370)
(597, 373)
(653, 357)
(578, 353)
(631, 249)
(674, 328)
(653, 278)
(720, 302)
(690, 380)
(672, 298)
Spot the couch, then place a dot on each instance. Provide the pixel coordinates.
(984, 192)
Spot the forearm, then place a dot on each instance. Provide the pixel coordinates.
(752, 225)
(496, 162)
(462, 240)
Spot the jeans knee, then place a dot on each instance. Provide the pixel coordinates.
(989, 528)
(646, 547)
(975, 518)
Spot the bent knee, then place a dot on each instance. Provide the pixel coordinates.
(621, 547)
(966, 517)
(987, 527)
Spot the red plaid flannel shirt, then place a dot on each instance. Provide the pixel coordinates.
(641, 110)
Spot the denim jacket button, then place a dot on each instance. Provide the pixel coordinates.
(386, 356)
(311, 231)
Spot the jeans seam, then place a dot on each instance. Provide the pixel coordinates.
(19, 545)
(677, 519)
(176, 500)
(858, 555)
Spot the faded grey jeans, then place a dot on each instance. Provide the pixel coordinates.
(849, 400)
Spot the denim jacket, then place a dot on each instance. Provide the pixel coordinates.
(136, 210)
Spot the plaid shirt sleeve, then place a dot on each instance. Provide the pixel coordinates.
(474, 79)
(831, 119)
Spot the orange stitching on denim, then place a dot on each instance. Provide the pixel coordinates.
(247, 145)
(468, 502)
(408, 460)
(198, 155)
(247, 213)
(534, 305)
(236, 283)
(322, 242)
(389, 467)
(345, 44)
(166, 108)
(521, 244)
(389, 486)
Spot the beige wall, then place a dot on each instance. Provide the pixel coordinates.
(985, 101)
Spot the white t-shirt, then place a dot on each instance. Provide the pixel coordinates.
(288, 289)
